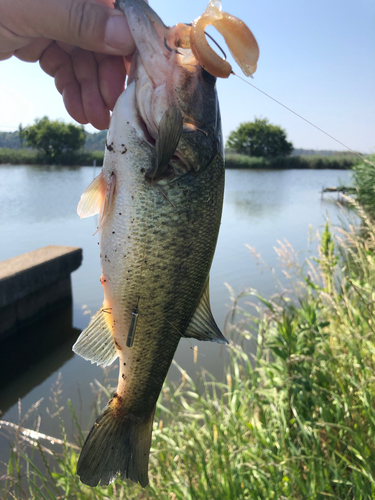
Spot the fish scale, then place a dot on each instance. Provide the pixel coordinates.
(165, 306)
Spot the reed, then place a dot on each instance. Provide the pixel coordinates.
(232, 160)
(32, 157)
(294, 420)
(339, 162)
(364, 178)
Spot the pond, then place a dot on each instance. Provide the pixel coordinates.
(38, 208)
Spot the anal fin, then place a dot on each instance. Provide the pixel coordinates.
(202, 325)
(96, 343)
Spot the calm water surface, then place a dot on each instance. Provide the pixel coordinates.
(38, 208)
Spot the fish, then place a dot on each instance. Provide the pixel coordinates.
(159, 199)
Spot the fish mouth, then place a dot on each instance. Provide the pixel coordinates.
(167, 77)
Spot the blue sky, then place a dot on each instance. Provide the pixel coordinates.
(317, 58)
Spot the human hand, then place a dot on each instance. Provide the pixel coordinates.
(81, 43)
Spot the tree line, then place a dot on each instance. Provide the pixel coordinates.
(54, 139)
(17, 140)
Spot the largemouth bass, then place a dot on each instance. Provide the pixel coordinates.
(159, 198)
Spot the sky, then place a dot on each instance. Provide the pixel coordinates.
(317, 58)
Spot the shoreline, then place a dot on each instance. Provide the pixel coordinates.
(232, 160)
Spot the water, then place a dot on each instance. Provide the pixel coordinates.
(38, 208)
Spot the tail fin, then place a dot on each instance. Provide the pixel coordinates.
(117, 443)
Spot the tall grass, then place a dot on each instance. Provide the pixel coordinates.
(234, 160)
(294, 420)
(32, 157)
(364, 178)
(18, 156)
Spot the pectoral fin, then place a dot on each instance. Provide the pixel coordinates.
(97, 198)
(202, 325)
(170, 129)
(93, 197)
(96, 342)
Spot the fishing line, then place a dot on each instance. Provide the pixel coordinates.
(286, 107)
(186, 338)
(304, 119)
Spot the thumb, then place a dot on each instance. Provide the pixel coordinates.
(83, 23)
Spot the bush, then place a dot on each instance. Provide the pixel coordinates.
(259, 138)
(54, 138)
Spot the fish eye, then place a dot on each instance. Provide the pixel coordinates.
(208, 78)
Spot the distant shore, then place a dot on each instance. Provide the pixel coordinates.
(10, 156)
(316, 162)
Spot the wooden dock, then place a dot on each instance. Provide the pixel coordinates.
(345, 190)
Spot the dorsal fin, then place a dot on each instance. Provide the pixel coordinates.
(202, 325)
(96, 342)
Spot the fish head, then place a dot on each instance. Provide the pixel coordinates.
(167, 76)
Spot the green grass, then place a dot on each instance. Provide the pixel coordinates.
(364, 178)
(31, 157)
(234, 160)
(17, 156)
(295, 420)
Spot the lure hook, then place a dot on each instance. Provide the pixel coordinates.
(211, 38)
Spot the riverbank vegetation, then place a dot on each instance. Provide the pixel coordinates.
(33, 157)
(232, 160)
(256, 145)
(51, 142)
(292, 418)
(259, 139)
(364, 179)
(338, 161)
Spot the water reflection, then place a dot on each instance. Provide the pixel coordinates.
(42, 193)
(31, 355)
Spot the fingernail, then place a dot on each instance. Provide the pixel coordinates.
(117, 35)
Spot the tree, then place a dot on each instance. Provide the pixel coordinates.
(259, 138)
(21, 135)
(54, 138)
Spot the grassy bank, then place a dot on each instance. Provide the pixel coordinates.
(31, 157)
(233, 160)
(17, 156)
(296, 420)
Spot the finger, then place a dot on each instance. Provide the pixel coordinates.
(111, 78)
(58, 64)
(34, 50)
(73, 102)
(11, 37)
(85, 69)
(84, 23)
(5, 55)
